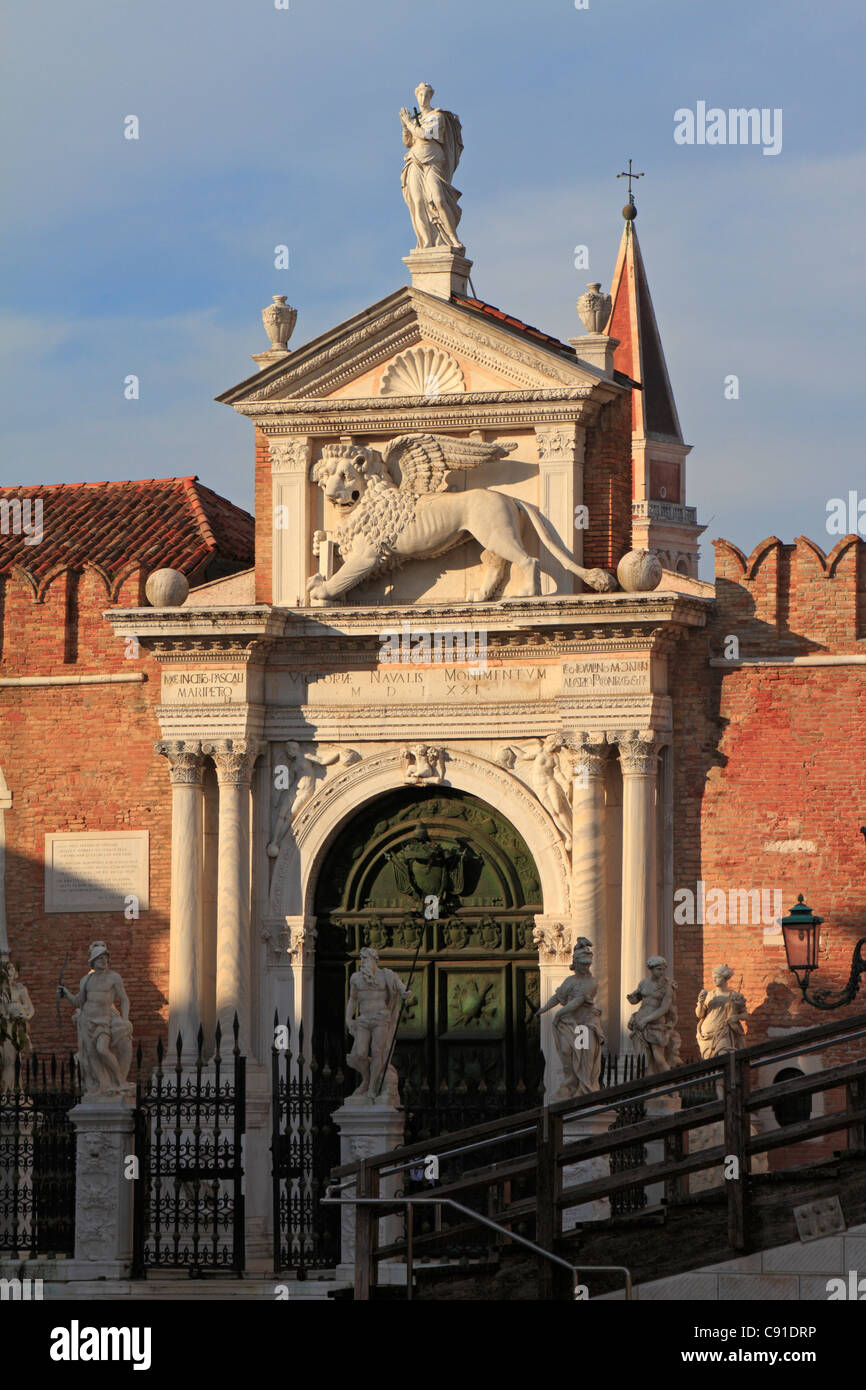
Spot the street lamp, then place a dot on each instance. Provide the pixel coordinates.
(800, 931)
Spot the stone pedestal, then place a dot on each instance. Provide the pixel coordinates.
(597, 349)
(591, 1126)
(439, 270)
(103, 1191)
(366, 1130)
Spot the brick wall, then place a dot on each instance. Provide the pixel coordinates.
(769, 790)
(81, 758)
(264, 509)
(607, 485)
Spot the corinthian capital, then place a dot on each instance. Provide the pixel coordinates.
(290, 455)
(590, 754)
(552, 936)
(233, 758)
(557, 441)
(185, 759)
(638, 750)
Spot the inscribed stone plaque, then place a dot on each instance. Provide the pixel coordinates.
(95, 871)
(205, 687)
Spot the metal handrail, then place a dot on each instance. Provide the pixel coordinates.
(412, 1202)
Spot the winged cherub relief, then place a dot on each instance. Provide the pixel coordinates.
(384, 524)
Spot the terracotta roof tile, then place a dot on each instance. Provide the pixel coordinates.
(490, 311)
(173, 522)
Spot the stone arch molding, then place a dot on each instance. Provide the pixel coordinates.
(315, 827)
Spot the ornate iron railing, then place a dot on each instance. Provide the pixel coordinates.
(37, 1157)
(190, 1121)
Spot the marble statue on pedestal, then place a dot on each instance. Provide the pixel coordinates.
(383, 525)
(577, 1027)
(16, 1011)
(720, 1012)
(104, 1030)
(371, 1018)
(653, 1026)
(434, 144)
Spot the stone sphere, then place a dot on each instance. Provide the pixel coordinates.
(166, 589)
(639, 571)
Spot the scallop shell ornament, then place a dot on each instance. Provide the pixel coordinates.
(422, 372)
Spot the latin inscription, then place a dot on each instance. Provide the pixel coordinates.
(202, 687)
(583, 677)
(96, 871)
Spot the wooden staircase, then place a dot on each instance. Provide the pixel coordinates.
(673, 1187)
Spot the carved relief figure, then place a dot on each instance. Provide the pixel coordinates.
(423, 868)
(371, 1019)
(434, 144)
(422, 763)
(16, 1011)
(720, 1012)
(653, 1026)
(579, 1050)
(104, 1030)
(304, 771)
(384, 525)
(548, 778)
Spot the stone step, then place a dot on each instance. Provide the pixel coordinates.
(184, 1289)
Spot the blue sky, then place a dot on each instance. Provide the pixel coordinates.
(262, 126)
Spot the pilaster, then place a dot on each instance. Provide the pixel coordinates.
(293, 518)
(560, 490)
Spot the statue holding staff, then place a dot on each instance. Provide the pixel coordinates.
(104, 1031)
(434, 143)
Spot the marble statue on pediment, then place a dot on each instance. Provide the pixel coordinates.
(101, 1019)
(434, 143)
(382, 524)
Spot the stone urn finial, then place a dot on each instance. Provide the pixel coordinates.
(594, 308)
(279, 319)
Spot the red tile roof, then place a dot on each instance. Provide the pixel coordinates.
(508, 321)
(158, 522)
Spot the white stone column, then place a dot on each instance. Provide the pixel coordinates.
(234, 760)
(560, 475)
(186, 764)
(293, 519)
(638, 754)
(591, 754)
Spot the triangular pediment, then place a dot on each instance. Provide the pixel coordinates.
(416, 344)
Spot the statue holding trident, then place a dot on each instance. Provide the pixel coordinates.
(104, 1030)
(372, 1012)
(434, 143)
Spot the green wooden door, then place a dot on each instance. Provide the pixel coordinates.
(468, 1047)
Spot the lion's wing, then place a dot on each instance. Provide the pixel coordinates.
(425, 460)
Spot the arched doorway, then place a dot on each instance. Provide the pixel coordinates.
(468, 1048)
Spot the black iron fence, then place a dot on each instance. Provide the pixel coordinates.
(37, 1157)
(190, 1120)
(304, 1147)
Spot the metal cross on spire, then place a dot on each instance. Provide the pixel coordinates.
(628, 174)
